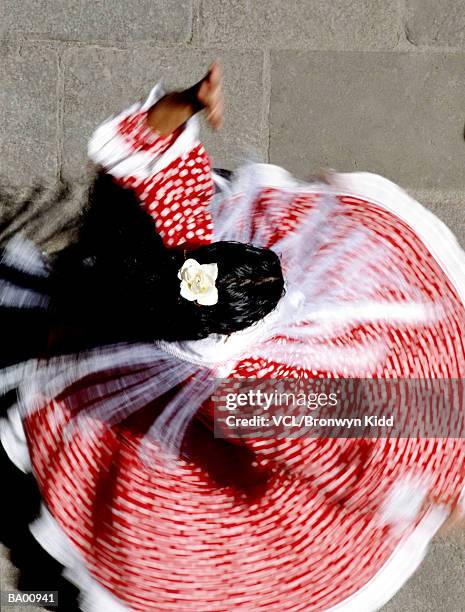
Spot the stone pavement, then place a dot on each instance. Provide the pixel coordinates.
(374, 85)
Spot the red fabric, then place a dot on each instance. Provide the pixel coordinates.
(268, 525)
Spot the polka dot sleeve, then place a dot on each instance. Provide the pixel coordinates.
(171, 175)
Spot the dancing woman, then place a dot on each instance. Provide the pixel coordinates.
(180, 278)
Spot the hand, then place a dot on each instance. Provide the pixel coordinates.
(177, 107)
(455, 523)
(209, 94)
(326, 175)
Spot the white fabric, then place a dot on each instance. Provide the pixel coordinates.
(397, 570)
(23, 258)
(220, 350)
(93, 596)
(14, 441)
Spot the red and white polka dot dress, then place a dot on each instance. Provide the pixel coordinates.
(320, 524)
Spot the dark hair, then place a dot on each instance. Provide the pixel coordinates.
(250, 284)
(120, 282)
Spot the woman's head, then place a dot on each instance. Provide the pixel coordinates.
(121, 281)
(139, 297)
(249, 283)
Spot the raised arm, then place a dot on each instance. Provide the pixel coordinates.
(174, 109)
(154, 149)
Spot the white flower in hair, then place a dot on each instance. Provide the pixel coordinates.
(198, 282)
